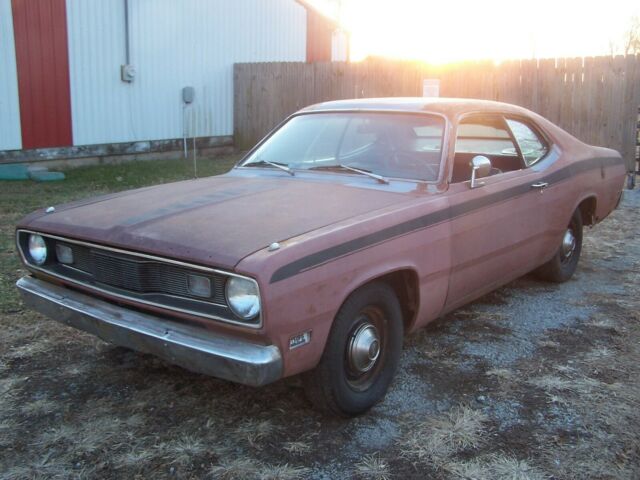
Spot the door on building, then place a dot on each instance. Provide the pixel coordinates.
(42, 60)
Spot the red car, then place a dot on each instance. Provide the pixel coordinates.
(350, 225)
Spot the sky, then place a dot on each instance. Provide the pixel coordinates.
(446, 31)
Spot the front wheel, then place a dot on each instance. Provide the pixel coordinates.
(361, 355)
(563, 264)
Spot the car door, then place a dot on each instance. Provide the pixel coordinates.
(496, 228)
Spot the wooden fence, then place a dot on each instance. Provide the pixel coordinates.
(596, 99)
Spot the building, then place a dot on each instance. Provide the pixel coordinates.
(95, 78)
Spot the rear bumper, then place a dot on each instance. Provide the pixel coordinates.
(195, 349)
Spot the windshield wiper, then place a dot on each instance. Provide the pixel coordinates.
(368, 173)
(281, 166)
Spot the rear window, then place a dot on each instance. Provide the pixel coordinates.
(531, 145)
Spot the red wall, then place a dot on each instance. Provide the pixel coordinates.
(319, 36)
(40, 29)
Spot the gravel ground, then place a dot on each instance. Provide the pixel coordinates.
(532, 381)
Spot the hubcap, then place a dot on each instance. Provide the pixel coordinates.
(568, 243)
(364, 348)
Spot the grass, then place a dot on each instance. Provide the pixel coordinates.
(372, 467)
(437, 439)
(19, 198)
(245, 468)
(495, 467)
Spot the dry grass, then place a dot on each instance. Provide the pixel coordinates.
(48, 468)
(246, 468)
(255, 431)
(239, 468)
(580, 385)
(495, 467)
(297, 448)
(372, 467)
(500, 373)
(182, 450)
(437, 439)
(138, 455)
(99, 433)
(42, 406)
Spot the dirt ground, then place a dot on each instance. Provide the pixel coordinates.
(533, 381)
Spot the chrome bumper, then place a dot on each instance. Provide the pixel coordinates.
(195, 349)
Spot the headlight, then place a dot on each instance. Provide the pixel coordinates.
(242, 297)
(37, 249)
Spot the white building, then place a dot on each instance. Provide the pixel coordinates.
(103, 77)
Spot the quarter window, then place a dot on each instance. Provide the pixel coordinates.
(531, 146)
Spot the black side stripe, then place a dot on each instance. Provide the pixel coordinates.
(331, 253)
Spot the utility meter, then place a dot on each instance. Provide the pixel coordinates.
(127, 73)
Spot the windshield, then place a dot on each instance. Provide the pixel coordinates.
(387, 144)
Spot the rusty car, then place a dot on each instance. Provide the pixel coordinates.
(350, 225)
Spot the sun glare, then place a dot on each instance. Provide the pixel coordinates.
(440, 32)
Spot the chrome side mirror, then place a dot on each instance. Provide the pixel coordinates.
(480, 167)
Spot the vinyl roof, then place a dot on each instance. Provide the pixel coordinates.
(447, 106)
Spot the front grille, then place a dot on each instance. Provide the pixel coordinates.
(143, 278)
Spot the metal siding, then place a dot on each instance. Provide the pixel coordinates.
(40, 35)
(173, 44)
(10, 136)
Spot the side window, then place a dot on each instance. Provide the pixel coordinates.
(531, 145)
(486, 135)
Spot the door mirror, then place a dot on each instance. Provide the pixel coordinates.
(480, 167)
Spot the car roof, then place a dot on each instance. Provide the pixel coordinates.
(447, 106)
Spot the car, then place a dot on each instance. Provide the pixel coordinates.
(352, 224)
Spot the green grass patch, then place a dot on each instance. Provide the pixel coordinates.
(18, 198)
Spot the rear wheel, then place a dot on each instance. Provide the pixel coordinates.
(361, 355)
(562, 266)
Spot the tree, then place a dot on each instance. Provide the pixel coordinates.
(632, 37)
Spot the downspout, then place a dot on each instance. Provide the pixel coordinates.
(127, 52)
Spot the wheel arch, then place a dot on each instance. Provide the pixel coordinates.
(588, 207)
(404, 282)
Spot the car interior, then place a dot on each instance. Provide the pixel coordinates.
(489, 136)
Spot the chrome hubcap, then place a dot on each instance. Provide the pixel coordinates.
(568, 244)
(364, 348)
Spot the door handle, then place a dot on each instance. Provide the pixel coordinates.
(539, 185)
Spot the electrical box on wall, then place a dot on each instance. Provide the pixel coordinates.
(127, 73)
(188, 94)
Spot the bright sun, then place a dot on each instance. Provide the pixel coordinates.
(487, 29)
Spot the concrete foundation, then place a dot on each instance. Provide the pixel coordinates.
(79, 156)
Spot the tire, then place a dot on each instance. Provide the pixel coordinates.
(348, 380)
(563, 264)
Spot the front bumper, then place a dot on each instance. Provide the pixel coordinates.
(193, 348)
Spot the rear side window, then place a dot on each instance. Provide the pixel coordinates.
(485, 135)
(531, 145)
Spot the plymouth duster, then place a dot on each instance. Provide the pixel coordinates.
(350, 225)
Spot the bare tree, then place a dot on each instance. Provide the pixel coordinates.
(632, 37)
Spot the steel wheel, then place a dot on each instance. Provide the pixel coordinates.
(365, 347)
(568, 246)
(563, 264)
(361, 354)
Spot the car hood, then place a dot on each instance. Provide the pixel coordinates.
(214, 221)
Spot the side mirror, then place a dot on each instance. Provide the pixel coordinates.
(480, 167)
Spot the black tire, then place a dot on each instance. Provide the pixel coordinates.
(338, 385)
(562, 266)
